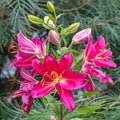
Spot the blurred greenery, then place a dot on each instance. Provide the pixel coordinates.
(103, 16)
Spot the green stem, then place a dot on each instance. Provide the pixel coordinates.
(61, 113)
(70, 45)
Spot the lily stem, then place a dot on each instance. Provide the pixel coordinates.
(61, 113)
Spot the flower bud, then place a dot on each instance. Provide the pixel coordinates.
(81, 36)
(49, 22)
(53, 118)
(73, 27)
(35, 19)
(50, 6)
(54, 37)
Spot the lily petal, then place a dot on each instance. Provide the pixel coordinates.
(38, 66)
(73, 80)
(90, 50)
(90, 87)
(51, 64)
(104, 63)
(25, 75)
(100, 44)
(66, 62)
(99, 74)
(25, 44)
(66, 97)
(27, 107)
(41, 90)
(25, 98)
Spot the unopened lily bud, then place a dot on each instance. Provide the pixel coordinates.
(54, 37)
(81, 36)
(49, 22)
(73, 27)
(50, 6)
(53, 118)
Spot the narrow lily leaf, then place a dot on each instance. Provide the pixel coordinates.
(88, 94)
(72, 51)
(75, 119)
(34, 19)
(47, 48)
(56, 54)
(60, 15)
(62, 50)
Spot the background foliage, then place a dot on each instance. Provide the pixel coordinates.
(102, 16)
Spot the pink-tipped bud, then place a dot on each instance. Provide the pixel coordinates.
(81, 36)
(54, 37)
(53, 118)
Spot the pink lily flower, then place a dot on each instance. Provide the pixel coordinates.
(97, 54)
(25, 89)
(28, 50)
(58, 75)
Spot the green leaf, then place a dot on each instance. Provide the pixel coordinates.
(62, 50)
(72, 51)
(55, 54)
(41, 59)
(34, 19)
(86, 110)
(79, 57)
(75, 119)
(60, 15)
(47, 48)
(88, 94)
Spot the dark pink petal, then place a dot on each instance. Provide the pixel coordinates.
(27, 107)
(36, 41)
(20, 62)
(26, 75)
(25, 98)
(26, 86)
(106, 54)
(90, 52)
(38, 66)
(90, 87)
(43, 46)
(51, 64)
(17, 93)
(109, 79)
(41, 90)
(100, 44)
(66, 63)
(90, 38)
(99, 74)
(73, 80)
(33, 72)
(66, 97)
(25, 44)
(104, 63)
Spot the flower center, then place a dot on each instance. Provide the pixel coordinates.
(53, 77)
